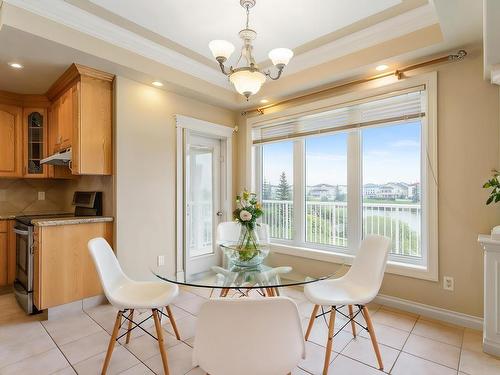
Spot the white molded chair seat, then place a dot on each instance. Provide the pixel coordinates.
(247, 336)
(337, 293)
(357, 287)
(143, 295)
(128, 295)
(361, 283)
(120, 290)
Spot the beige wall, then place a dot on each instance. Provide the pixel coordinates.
(468, 148)
(145, 171)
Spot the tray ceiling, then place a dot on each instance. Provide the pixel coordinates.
(279, 23)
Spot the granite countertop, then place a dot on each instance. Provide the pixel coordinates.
(7, 216)
(72, 220)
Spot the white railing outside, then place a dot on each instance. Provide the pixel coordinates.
(200, 221)
(326, 223)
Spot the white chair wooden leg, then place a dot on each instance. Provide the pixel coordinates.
(329, 343)
(353, 324)
(159, 333)
(172, 321)
(112, 342)
(130, 317)
(371, 331)
(311, 321)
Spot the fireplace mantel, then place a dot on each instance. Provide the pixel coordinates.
(491, 328)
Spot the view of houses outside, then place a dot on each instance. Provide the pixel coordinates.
(391, 192)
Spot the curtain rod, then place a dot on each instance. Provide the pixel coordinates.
(399, 73)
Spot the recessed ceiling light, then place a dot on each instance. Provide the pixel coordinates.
(381, 67)
(264, 101)
(15, 65)
(157, 83)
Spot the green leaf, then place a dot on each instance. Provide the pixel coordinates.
(490, 199)
(486, 185)
(497, 198)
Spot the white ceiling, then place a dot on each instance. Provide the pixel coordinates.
(279, 23)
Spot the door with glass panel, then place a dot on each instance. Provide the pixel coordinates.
(202, 203)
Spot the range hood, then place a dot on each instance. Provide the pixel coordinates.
(61, 158)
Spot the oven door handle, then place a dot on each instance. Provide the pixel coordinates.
(21, 232)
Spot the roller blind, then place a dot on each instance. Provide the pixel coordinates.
(391, 108)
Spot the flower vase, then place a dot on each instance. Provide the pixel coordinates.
(248, 248)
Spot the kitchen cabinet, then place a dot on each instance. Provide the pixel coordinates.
(7, 252)
(63, 269)
(35, 135)
(82, 112)
(4, 248)
(63, 121)
(11, 147)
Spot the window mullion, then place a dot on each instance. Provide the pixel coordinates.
(299, 191)
(354, 204)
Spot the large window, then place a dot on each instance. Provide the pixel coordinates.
(326, 190)
(391, 186)
(277, 188)
(330, 178)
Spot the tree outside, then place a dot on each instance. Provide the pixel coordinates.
(284, 189)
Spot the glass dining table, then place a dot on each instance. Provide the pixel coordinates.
(266, 280)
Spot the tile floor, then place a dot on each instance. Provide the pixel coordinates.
(410, 344)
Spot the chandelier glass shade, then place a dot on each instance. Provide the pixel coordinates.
(248, 79)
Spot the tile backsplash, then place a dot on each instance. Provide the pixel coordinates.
(21, 195)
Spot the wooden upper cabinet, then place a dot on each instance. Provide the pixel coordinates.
(35, 141)
(65, 120)
(82, 110)
(11, 147)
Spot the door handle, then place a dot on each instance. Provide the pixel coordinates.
(219, 213)
(21, 232)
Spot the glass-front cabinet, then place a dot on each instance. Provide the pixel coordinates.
(35, 142)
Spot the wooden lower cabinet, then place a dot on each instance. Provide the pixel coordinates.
(64, 271)
(7, 252)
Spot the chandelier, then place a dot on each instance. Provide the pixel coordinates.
(248, 78)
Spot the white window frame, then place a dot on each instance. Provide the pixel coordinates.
(428, 270)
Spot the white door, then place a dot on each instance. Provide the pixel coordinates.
(202, 203)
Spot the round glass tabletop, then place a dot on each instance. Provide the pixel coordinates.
(245, 270)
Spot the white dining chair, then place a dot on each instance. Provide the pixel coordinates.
(357, 287)
(248, 336)
(128, 295)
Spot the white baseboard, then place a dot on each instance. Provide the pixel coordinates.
(438, 313)
(491, 347)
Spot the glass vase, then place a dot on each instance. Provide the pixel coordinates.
(247, 248)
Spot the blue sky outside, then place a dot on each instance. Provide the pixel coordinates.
(390, 154)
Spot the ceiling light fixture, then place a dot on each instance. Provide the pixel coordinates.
(157, 83)
(248, 79)
(15, 65)
(381, 67)
(264, 101)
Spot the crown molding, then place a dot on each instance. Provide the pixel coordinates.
(411, 21)
(24, 100)
(73, 74)
(90, 24)
(82, 21)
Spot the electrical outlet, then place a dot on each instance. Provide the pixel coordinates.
(448, 283)
(41, 195)
(161, 260)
